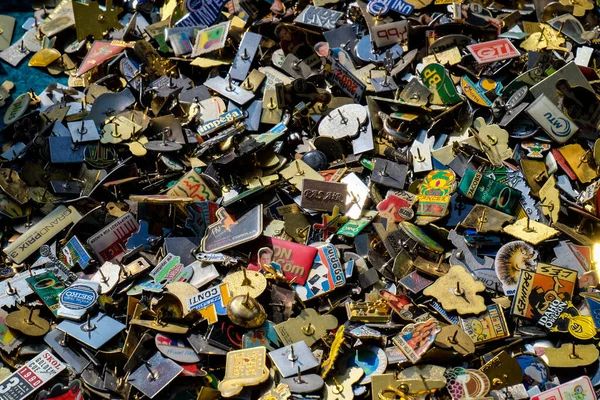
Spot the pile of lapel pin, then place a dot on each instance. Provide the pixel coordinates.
(300, 199)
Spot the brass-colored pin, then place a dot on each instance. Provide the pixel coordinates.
(573, 354)
(583, 158)
(124, 271)
(528, 228)
(452, 339)
(300, 172)
(308, 330)
(438, 267)
(271, 105)
(247, 300)
(481, 220)
(246, 281)
(248, 85)
(28, 320)
(539, 177)
(458, 291)
(303, 232)
(550, 205)
(581, 225)
(338, 387)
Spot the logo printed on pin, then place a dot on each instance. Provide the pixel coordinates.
(228, 232)
(556, 124)
(386, 34)
(494, 50)
(325, 276)
(381, 7)
(77, 297)
(211, 302)
(109, 242)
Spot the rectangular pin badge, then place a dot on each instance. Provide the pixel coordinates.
(386, 34)
(553, 121)
(31, 376)
(295, 259)
(325, 275)
(63, 150)
(349, 84)
(487, 327)
(111, 240)
(229, 90)
(323, 196)
(48, 287)
(489, 192)
(211, 302)
(211, 39)
(243, 59)
(493, 50)
(41, 233)
(74, 253)
(8, 28)
(319, 17)
(580, 389)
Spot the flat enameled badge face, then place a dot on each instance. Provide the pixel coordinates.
(243, 368)
(228, 232)
(554, 122)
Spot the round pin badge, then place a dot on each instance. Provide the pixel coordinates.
(370, 359)
(447, 42)
(99, 156)
(364, 51)
(466, 383)
(304, 383)
(78, 297)
(162, 146)
(316, 159)
(522, 128)
(517, 97)
(172, 163)
(176, 349)
(332, 149)
(17, 108)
